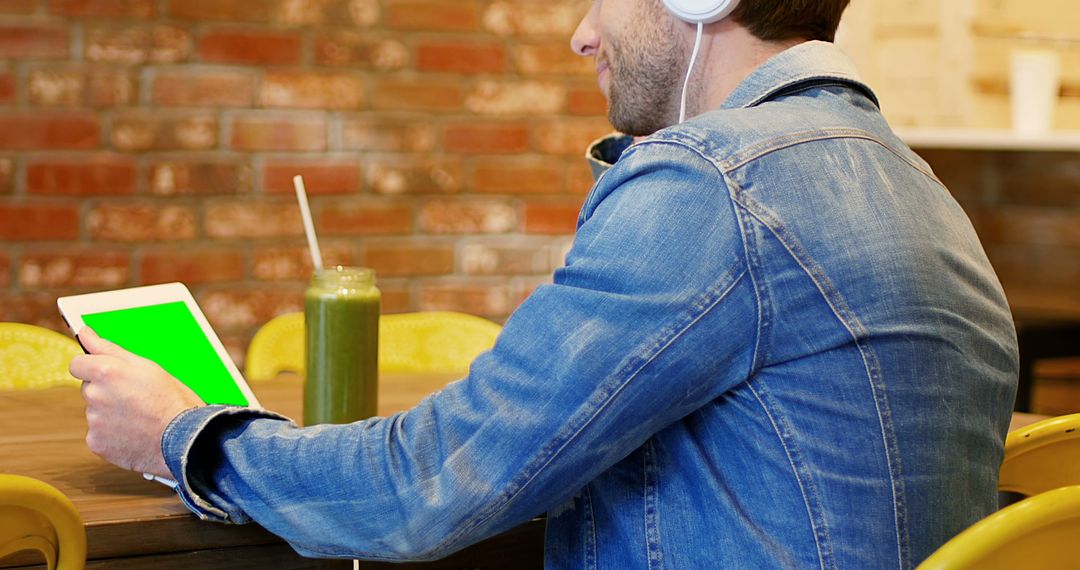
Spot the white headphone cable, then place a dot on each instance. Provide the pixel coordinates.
(689, 70)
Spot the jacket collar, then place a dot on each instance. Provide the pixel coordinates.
(807, 64)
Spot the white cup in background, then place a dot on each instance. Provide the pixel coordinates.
(1034, 81)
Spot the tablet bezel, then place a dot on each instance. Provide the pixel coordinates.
(73, 307)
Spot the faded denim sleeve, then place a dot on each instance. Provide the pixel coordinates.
(653, 315)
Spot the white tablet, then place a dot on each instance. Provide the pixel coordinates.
(163, 323)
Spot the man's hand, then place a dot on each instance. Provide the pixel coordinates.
(129, 402)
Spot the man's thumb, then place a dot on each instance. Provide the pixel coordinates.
(94, 344)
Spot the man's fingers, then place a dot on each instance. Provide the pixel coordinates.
(94, 344)
(94, 367)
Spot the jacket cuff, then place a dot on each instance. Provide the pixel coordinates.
(192, 453)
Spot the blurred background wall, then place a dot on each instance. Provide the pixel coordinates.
(145, 141)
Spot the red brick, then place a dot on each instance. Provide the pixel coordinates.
(492, 301)
(56, 88)
(100, 175)
(250, 47)
(334, 12)
(37, 222)
(52, 131)
(423, 94)
(570, 137)
(1036, 178)
(321, 176)
(587, 101)
(74, 268)
(522, 176)
(5, 269)
(486, 138)
(579, 177)
(1040, 268)
(191, 265)
(409, 259)
(384, 132)
(147, 130)
(294, 263)
(1032, 226)
(195, 88)
(7, 87)
(111, 87)
(18, 6)
(103, 8)
(396, 296)
(194, 176)
(552, 217)
(223, 10)
(366, 217)
(249, 219)
(312, 90)
(7, 175)
(467, 217)
(32, 308)
(76, 86)
(138, 44)
(359, 51)
(37, 42)
(529, 18)
(279, 133)
(139, 222)
(516, 98)
(460, 57)
(551, 58)
(414, 174)
(434, 15)
(518, 257)
(246, 308)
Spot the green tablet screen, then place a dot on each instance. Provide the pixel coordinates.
(169, 335)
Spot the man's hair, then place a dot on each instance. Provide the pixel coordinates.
(779, 20)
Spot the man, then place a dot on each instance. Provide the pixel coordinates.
(776, 342)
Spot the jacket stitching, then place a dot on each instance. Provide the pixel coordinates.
(858, 333)
(820, 528)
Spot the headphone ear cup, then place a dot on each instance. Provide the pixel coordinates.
(703, 11)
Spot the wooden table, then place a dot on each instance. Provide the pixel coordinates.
(132, 523)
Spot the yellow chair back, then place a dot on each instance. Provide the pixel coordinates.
(36, 516)
(1042, 456)
(1037, 532)
(34, 357)
(432, 341)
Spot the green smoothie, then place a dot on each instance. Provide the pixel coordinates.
(341, 317)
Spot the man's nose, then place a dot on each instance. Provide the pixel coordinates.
(586, 39)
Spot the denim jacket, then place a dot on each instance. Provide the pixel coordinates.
(776, 342)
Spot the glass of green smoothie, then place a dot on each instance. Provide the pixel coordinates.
(341, 318)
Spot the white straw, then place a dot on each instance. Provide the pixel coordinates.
(309, 226)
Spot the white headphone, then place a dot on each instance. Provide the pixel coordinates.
(701, 11)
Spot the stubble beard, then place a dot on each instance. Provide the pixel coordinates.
(646, 81)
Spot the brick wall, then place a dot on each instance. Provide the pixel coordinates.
(144, 141)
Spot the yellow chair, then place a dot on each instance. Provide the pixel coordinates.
(432, 341)
(1037, 532)
(36, 516)
(1042, 456)
(33, 357)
